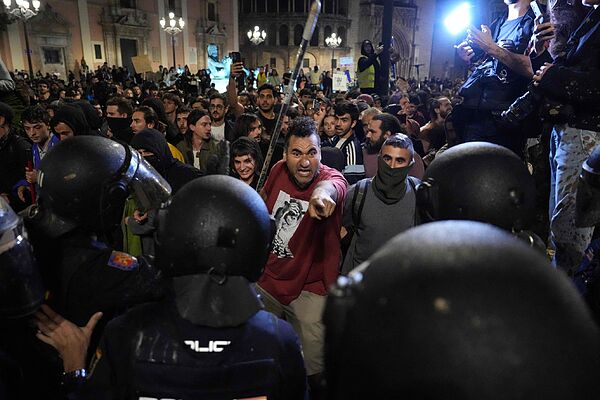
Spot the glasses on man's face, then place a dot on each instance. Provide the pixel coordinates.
(216, 107)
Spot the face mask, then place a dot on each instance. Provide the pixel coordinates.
(389, 185)
(118, 124)
(155, 162)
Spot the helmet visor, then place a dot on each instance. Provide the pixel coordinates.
(150, 189)
(21, 288)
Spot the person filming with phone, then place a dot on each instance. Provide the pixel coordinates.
(502, 72)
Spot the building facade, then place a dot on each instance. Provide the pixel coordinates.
(353, 21)
(65, 32)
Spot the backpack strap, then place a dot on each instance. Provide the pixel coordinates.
(413, 186)
(360, 194)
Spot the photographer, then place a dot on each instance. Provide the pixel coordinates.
(573, 79)
(501, 76)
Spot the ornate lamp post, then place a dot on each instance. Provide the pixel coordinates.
(333, 42)
(22, 11)
(257, 36)
(173, 28)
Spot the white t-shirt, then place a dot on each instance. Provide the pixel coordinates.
(196, 159)
(218, 132)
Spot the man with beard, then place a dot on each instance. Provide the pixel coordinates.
(265, 100)
(379, 208)
(433, 134)
(221, 128)
(181, 119)
(44, 95)
(381, 127)
(303, 196)
(118, 117)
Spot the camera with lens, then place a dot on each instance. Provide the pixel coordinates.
(534, 102)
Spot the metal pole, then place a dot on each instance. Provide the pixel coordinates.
(28, 50)
(309, 28)
(173, 45)
(332, 58)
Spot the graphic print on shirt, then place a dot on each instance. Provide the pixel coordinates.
(288, 213)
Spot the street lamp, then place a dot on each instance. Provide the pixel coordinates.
(257, 36)
(23, 12)
(173, 28)
(333, 41)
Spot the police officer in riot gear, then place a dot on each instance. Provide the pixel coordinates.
(459, 310)
(22, 358)
(84, 182)
(210, 339)
(481, 182)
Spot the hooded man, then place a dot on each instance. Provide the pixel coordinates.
(70, 121)
(376, 209)
(152, 145)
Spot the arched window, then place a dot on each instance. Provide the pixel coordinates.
(326, 34)
(342, 34)
(298, 29)
(314, 40)
(272, 35)
(284, 34)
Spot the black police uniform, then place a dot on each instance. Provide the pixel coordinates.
(166, 356)
(94, 277)
(29, 368)
(210, 339)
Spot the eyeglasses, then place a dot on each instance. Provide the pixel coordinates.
(216, 106)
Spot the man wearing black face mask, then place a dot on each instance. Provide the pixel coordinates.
(377, 209)
(118, 117)
(152, 145)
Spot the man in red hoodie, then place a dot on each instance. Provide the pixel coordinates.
(302, 196)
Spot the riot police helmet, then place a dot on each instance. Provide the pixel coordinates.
(21, 287)
(481, 182)
(214, 238)
(459, 310)
(84, 182)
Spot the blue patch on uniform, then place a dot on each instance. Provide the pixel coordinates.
(122, 261)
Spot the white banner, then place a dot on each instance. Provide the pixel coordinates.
(340, 82)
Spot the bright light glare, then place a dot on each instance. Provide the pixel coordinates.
(459, 19)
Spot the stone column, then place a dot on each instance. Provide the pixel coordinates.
(16, 48)
(84, 26)
(164, 59)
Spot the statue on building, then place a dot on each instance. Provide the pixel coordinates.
(219, 69)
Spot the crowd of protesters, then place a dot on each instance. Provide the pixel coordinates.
(343, 175)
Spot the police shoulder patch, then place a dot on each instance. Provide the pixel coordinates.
(122, 261)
